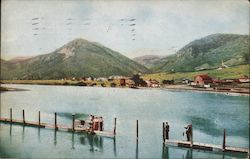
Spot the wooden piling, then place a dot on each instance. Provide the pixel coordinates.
(115, 126)
(191, 135)
(167, 131)
(23, 117)
(39, 119)
(163, 132)
(55, 121)
(10, 115)
(224, 140)
(73, 122)
(137, 130)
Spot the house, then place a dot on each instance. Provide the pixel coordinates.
(101, 79)
(186, 81)
(203, 79)
(244, 79)
(130, 83)
(89, 79)
(153, 83)
(223, 65)
(122, 82)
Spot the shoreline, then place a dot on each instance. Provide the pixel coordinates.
(7, 89)
(234, 91)
(211, 91)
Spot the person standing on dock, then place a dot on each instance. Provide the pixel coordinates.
(189, 132)
(101, 124)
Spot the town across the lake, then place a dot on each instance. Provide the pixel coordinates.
(200, 82)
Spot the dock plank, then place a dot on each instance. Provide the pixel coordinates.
(205, 146)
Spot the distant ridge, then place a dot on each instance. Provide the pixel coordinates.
(77, 58)
(148, 60)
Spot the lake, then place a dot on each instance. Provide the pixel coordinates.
(209, 113)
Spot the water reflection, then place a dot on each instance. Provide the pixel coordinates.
(73, 141)
(165, 154)
(94, 141)
(189, 154)
(10, 130)
(39, 135)
(23, 134)
(55, 137)
(136, 150)
(114, 146)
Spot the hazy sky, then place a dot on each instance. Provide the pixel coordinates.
(161, 25)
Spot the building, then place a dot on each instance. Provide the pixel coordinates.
(203, 79)
(130, 83)
(244, 79)
(122, 82)
(153, 83)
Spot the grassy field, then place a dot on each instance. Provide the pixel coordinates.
(231, 72)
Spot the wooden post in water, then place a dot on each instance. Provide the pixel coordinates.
(167, 131)
(10, 115)
(55, 122)
(224, 140)
(73, 122)
(39, 119)
(163, 132)
(23, 117)
(114, 127)
(137, 130)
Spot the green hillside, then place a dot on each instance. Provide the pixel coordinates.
(231, 72)
(76, 59)
(207, 53)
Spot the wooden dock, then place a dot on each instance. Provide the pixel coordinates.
(197, 145)
(57, 127)
(206, 147)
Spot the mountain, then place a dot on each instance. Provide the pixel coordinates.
(78, 58)
(19, 59)
(148, 60)
(207, 53)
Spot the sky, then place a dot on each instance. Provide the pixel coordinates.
(133, 28)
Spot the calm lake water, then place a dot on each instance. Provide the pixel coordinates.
(209, 113)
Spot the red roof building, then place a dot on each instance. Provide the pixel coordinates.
(203, 79)
(122, 82)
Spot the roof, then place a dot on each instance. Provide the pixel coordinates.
(204, 77)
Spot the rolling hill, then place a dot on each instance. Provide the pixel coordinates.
(148, 60)
(77, 58)
(207, 53)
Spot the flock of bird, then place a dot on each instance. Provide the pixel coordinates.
(70, 23)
